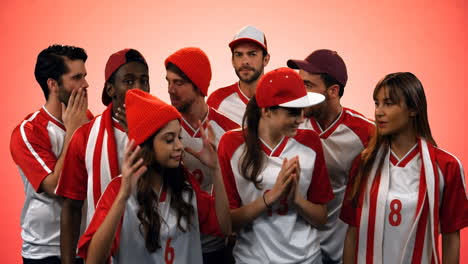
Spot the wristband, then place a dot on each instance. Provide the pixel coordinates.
(264, 200)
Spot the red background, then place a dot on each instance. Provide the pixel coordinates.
(428, 38)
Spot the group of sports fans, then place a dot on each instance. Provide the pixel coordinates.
(271, 169)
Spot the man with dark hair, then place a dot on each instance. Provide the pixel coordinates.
(344, 134)
(188, 75)
(96, 149)
(39, 143)
(249, 58)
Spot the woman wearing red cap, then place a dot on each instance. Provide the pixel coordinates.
(155, 211)
(402, 187)
(275, 175)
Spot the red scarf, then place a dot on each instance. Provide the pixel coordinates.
(111, 164)
(426, 222)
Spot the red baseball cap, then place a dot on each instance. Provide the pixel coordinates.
(323, 61)
(114, 62)
(146, 114)
(284, 87)
(249, 34)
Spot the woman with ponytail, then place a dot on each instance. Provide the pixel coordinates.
(275, 175)
(403, 190)
(155, 211)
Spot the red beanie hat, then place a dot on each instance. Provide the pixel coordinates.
(194, 63)
(146, 114)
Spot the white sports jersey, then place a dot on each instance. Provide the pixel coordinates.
(403, 240)
(176, 246)
(192, 138)
(230, 101)
(402, 199)
(342, 141)
(85, 176)
(36, 144)
(280, 235)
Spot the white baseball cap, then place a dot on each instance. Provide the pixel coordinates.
(249, 33)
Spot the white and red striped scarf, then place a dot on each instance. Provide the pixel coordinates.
(101, 156)
(425, 226)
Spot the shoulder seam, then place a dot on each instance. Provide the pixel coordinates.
(29, 146)
(360, 116)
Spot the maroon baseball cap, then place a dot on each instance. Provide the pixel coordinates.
(114, 62)
(323, 61)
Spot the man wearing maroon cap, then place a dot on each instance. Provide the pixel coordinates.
(96, 149)
(249, 58)
(344, 134)
(188, 75)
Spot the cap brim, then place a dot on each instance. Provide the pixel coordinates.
(243, 40)
(308, 100)
(303, 65)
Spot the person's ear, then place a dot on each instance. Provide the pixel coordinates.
(52, 85)
(333, 91)
(110, 90)
(266, 112)
(266, 59)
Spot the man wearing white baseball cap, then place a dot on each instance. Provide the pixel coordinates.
(344, 134)
(275, 175)
(249, 58)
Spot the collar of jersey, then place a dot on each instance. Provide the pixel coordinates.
(406, 159)
(327, 132)
(276, 151)
(52, 118)
(242, 96)
(195, 132)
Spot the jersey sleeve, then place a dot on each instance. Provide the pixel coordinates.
(207, 218)
(102, 209)
(31, 150)
(320, 190)
(454, 206)
(224, 158)
(73, 182)
(349, 211)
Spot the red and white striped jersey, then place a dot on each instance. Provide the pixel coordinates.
(280, 235)
(230, 101)
(401, 206)
(192, 138)
(77, 180)
(342, 141)
(176, 246)
(36, 144)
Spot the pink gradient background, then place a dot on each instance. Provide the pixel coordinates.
(428, 38)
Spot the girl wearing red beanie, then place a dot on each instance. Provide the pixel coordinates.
(275, 175)
(155, 211)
